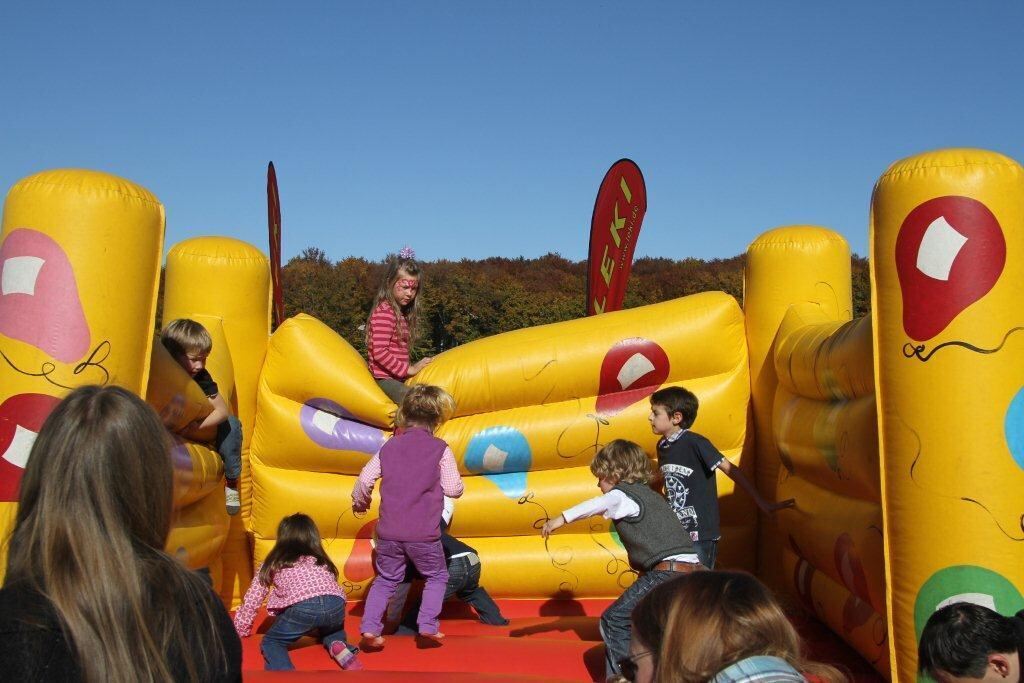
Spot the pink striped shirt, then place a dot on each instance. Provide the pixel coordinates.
(303, 580)
(451, 482)
(388, 353)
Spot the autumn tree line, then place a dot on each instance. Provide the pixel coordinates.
(466, 300)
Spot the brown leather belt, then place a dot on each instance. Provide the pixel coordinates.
(677, 566)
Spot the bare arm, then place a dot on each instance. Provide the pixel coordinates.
(206, 428)
(736, 474)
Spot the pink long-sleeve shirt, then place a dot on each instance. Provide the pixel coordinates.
(388, 352)
(303, 580)
(362, 492)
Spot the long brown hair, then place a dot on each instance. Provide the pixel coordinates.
(386, 292)
(297, 535)
(93, 516)
(700, 623)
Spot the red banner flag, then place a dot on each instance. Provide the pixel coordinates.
(274, 224)
(618, 212)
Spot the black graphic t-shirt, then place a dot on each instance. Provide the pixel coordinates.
(688, 463)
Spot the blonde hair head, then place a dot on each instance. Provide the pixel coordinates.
(622, 460)
(700, 623)
(184, 336)
(425, 405)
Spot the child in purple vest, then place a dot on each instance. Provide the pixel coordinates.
(417, 470)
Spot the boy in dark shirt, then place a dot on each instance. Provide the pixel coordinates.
(190, 344)
(688, 462)
(463, 581)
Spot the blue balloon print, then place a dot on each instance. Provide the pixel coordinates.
(1015, 428)
(503, 455)
(513, 484)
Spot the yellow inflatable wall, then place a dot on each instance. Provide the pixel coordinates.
(947, 243)
(73, 310)
(76, 310)
(534, 405)
(224, 284)
(814, 407)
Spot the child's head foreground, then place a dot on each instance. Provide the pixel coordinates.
(189, 342)
(621, 461)
(297, 536)
(425, 406)
(94, 514)
(672, 409)
(701, 623)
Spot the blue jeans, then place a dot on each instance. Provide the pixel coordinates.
(229, 446)
(707, 552)
(324, 615)
(616, 626)
(464, 583)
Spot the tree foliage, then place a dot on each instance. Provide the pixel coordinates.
(466, 300)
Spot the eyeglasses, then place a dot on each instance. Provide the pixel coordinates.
(627, 665)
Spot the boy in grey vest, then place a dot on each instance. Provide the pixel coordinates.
(656, 545)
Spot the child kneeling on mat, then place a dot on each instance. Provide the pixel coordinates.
(302, 583)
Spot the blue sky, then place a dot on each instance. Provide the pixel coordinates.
(474, 129)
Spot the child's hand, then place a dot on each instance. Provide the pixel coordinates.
(419, 365)
(551, 525)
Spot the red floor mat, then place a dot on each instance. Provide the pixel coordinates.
(547, 640)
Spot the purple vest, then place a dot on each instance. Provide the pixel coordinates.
(410, 487)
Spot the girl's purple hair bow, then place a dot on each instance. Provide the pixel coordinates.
(407, 253)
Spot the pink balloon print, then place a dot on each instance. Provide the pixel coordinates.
(950, 252)
(39, 301)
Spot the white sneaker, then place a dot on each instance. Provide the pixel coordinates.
(232, 500)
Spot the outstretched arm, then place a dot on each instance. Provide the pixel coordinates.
(246, 614)
(736, 474)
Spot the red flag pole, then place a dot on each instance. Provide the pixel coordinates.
(274, 224)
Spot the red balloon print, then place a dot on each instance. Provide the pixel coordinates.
(21, 418)
(359, 564)
(950, 252)
(632, 370)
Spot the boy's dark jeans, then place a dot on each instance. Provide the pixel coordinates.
(615, 625)
(229, 446)
(463, 583)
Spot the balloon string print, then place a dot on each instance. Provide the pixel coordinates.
(95, 360)
(537, 374)
(566, 585)
(612, 566)
(966, 499)
(599, 421)
(918, 351)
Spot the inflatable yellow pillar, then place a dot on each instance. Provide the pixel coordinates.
(785, 266)
(224, 284)
(79, 271)
(947, 240)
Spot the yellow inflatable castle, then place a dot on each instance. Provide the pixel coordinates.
(901, 434)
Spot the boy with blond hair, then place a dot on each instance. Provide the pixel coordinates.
(657, 546)
(190, 344)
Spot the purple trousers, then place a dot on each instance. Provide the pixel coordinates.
(390, 561)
